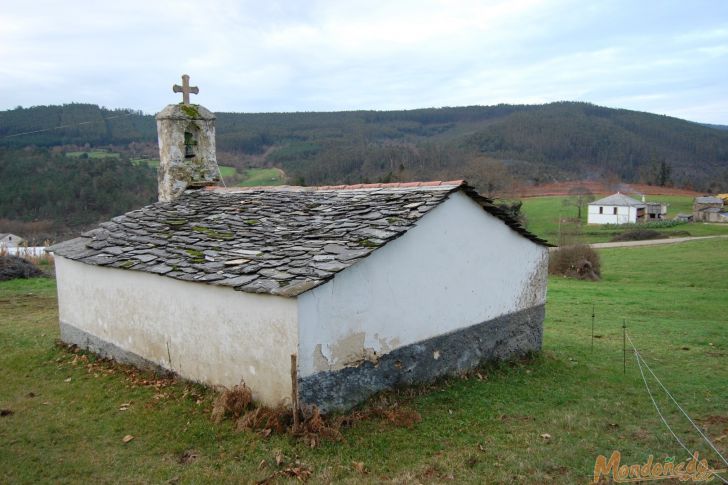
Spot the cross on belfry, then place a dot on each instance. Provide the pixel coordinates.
(185, 89)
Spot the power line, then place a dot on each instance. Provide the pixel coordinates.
(68, 126)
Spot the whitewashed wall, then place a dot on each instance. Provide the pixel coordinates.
(206, 333)
(458, 267)
(624, 215)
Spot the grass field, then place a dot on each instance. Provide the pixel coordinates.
(94, 154)
(263, 176)
(543, 214)
(489, 430)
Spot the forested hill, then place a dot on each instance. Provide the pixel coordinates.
(526, 142)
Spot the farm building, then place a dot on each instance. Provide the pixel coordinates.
(370, 286)
(616, 209)
(682, 217)
(709, 209)
(8, 240)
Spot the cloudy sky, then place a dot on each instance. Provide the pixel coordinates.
(667, 57)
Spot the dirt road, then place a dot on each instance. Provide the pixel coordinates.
(650, 242)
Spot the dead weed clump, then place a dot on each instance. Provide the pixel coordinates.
(232, 403)
(579, 261)
(266, 420)
(313, 427)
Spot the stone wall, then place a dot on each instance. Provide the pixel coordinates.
(187, 156)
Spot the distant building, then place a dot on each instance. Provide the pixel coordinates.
(682, 217)
(616, 209)
(709, 209)
(655, 210)
(8, 240)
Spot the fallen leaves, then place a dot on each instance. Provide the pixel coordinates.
(296, 469)
(125, 406)
(127, 439)
(546, 436)
(359, 467)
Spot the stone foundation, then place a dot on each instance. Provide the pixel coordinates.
(84, 340)
(504, 337)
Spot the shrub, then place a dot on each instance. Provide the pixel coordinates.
(12, 267)
(579, 261)
(637, 235)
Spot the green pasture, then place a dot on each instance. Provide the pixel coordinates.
(262, 176)
(97, 153)
(540, 420)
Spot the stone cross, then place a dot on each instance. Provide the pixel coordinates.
(185, 89)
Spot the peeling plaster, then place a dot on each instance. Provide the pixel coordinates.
(351, 351)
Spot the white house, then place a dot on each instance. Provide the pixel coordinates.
(370, 286)
(8, 240)
(616, 209)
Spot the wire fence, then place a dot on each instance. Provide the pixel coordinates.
(641, 364)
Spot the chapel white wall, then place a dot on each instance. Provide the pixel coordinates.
(210, 334)
(459, 266)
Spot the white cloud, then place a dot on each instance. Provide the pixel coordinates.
(324, 55)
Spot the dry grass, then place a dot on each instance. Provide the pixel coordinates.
(266, 420)
(232, 403)
(237, 405)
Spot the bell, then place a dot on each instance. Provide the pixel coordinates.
(189, 151)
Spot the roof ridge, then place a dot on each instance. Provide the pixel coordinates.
(301, 188)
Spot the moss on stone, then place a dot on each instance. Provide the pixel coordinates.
(224, 235)
(368, 244)
(190, 110)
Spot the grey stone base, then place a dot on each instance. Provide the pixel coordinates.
(501, 338)
(84, 340)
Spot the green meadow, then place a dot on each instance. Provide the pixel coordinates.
(538, 420)
(96, 153)
(544, 213)
(263, 176)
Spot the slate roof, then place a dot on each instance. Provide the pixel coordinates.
(708, 200)
(277, 240)
(618, 199)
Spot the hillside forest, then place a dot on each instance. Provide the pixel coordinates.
(65, 168)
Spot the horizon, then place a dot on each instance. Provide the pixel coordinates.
(284, 57)
(143, 113)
